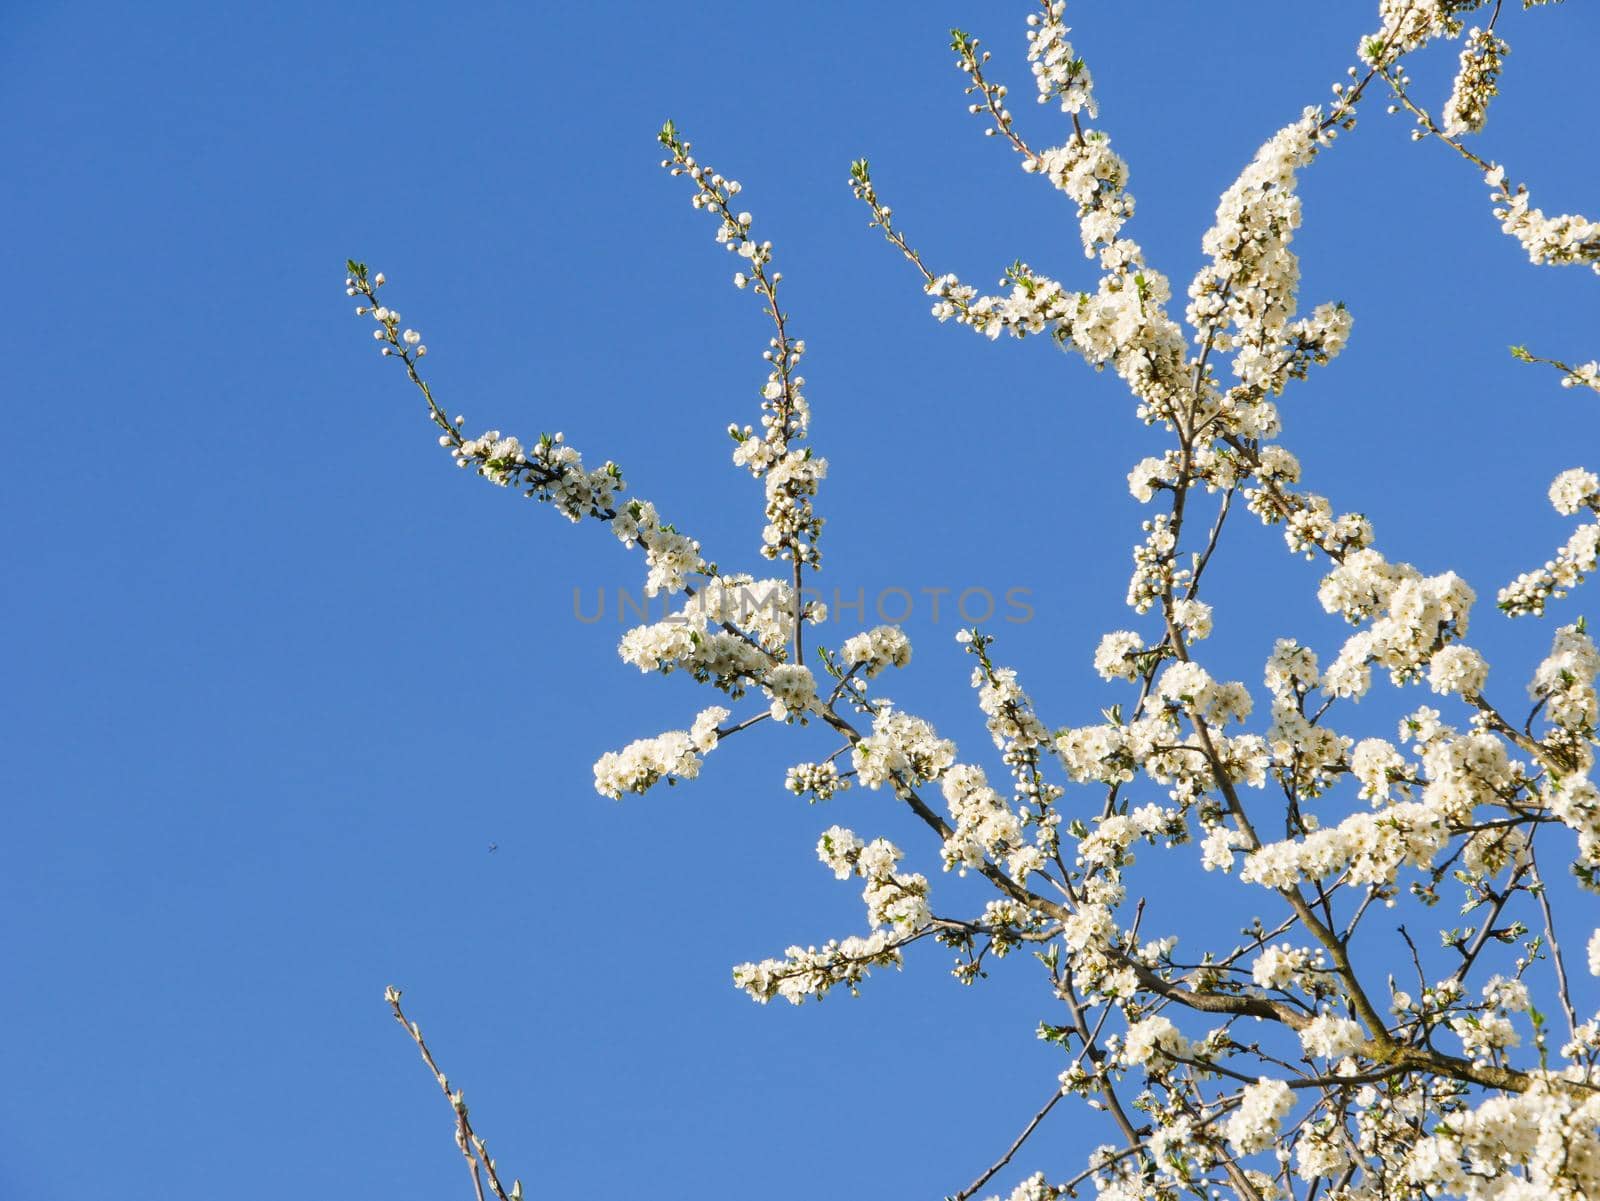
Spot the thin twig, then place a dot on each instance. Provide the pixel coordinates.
(472, 1147)
(1562, 989)
(1033, 1124)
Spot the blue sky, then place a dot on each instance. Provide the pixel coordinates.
(278, 676)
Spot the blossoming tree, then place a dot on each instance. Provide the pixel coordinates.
(1297, 1061)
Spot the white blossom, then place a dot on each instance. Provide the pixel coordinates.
(884, 646)
(1254, 1125)
(1329, 1036)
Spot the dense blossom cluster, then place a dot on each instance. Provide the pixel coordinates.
(902, 751)
(1574, 491)
(670, 555)
(807, 972)
(672, 756)
(1253, 1126)
(1568, 238)
(1346, 1082)
(1061, 76)
(872, 651)
(1477, 80)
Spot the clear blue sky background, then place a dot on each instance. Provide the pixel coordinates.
(277, 676)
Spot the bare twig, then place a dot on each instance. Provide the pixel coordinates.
(472, 1147)
(1033, 1124)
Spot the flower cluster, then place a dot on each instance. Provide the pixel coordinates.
(672, 756)
(1539, 1143)
(986, 828)
(1152, 1040)
(671, 556)
(1370, 848)
(1329, 1036)
(902, 751)
(550, 470)
(816, 780)
(1283, 967)
(894, 899)
(1091, 173)
(1573, 491)
(1410, 24)
(1117, 656)
(1563, 687)
(875, 649)
(1584, 375)
(1568, 238)
(1189, 688)
(1060, 74)
(1477, 80)
(792, 689)
(814, 972)
(1244, 299)
(1254, 1125)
